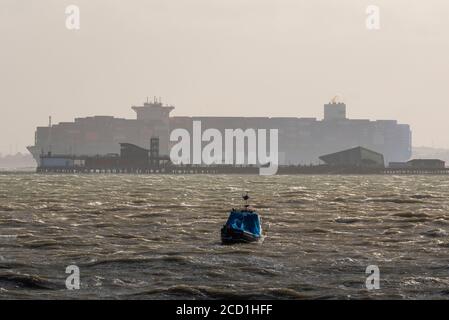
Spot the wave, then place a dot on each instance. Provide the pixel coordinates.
(411, 215)
(435, 233)
(347, 220)
(394, 200)
(223, 293)
(27, 281)
(143, 260)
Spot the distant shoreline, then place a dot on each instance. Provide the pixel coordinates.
(17, 170)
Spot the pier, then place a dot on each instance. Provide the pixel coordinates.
(244, 170)
(136, 160)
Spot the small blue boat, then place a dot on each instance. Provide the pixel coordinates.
(243, 226)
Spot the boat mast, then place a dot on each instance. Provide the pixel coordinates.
(246, 198)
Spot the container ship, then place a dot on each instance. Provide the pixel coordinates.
(301, 140)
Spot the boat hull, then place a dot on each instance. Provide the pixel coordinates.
(231, 236)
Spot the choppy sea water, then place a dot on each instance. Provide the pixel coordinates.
(157, 237)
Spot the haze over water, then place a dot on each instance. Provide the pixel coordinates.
(153, 237)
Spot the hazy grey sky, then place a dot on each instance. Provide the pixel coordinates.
(224, 57)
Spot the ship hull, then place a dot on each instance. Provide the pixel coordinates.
(34, 150)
